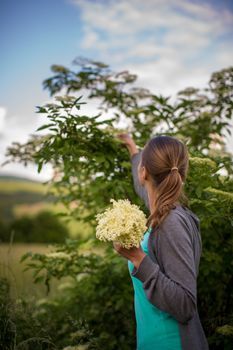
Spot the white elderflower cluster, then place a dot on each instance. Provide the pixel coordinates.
(124, 223)
(58, 255)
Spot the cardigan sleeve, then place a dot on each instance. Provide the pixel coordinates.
(173, 291)
(139, 189)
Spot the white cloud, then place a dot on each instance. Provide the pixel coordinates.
(3, 111)
(167, 43)
(132, 16)
(91, 38)
(13, 131)
(170, 44)
(125, 17)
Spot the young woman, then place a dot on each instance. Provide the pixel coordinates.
(164, 268)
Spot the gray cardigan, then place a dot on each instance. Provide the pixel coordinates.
(169, 273)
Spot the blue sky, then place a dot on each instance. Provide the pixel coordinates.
(35, 34)
(169, 44)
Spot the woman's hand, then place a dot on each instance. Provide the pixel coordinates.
(128, 142)
(134, 254)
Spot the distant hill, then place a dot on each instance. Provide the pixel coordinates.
(16, 178)
(10, 183)
(16, 191)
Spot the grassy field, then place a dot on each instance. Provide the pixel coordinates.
(11, 185)
(11, 268)
(22, 281)
(19, 197)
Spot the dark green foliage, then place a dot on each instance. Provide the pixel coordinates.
(94, 308)
(20, 328)
(6, 327)
(3, 232)
(44, 227)
(103, 299)
(9, 200)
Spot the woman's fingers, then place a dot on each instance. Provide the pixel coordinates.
(126, 138)
(117, 246)
(128, 142)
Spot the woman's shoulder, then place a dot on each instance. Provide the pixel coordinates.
(183, 212)
(180, 219)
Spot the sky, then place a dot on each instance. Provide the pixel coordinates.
(169, 44)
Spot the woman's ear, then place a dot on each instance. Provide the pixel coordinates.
(142, 174)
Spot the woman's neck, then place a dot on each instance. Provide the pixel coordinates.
(151, 195)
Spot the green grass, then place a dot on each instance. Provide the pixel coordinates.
(7, 186)
(22, 281)
(11, 268)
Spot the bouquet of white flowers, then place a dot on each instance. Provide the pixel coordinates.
(124, 223)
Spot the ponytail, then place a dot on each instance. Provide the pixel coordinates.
(158, 157)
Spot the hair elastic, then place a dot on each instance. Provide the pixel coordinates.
(174, 168)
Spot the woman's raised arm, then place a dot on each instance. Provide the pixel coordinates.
(135, 159)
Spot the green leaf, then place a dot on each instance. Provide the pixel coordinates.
(39, 279)
(45, 127)
(40, 165)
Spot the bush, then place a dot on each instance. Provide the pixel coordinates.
(20, 329)
(94, 308)
(45, 227)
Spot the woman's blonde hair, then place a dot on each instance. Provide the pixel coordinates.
(159, 156)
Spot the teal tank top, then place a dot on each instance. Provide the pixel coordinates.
(156, 329)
